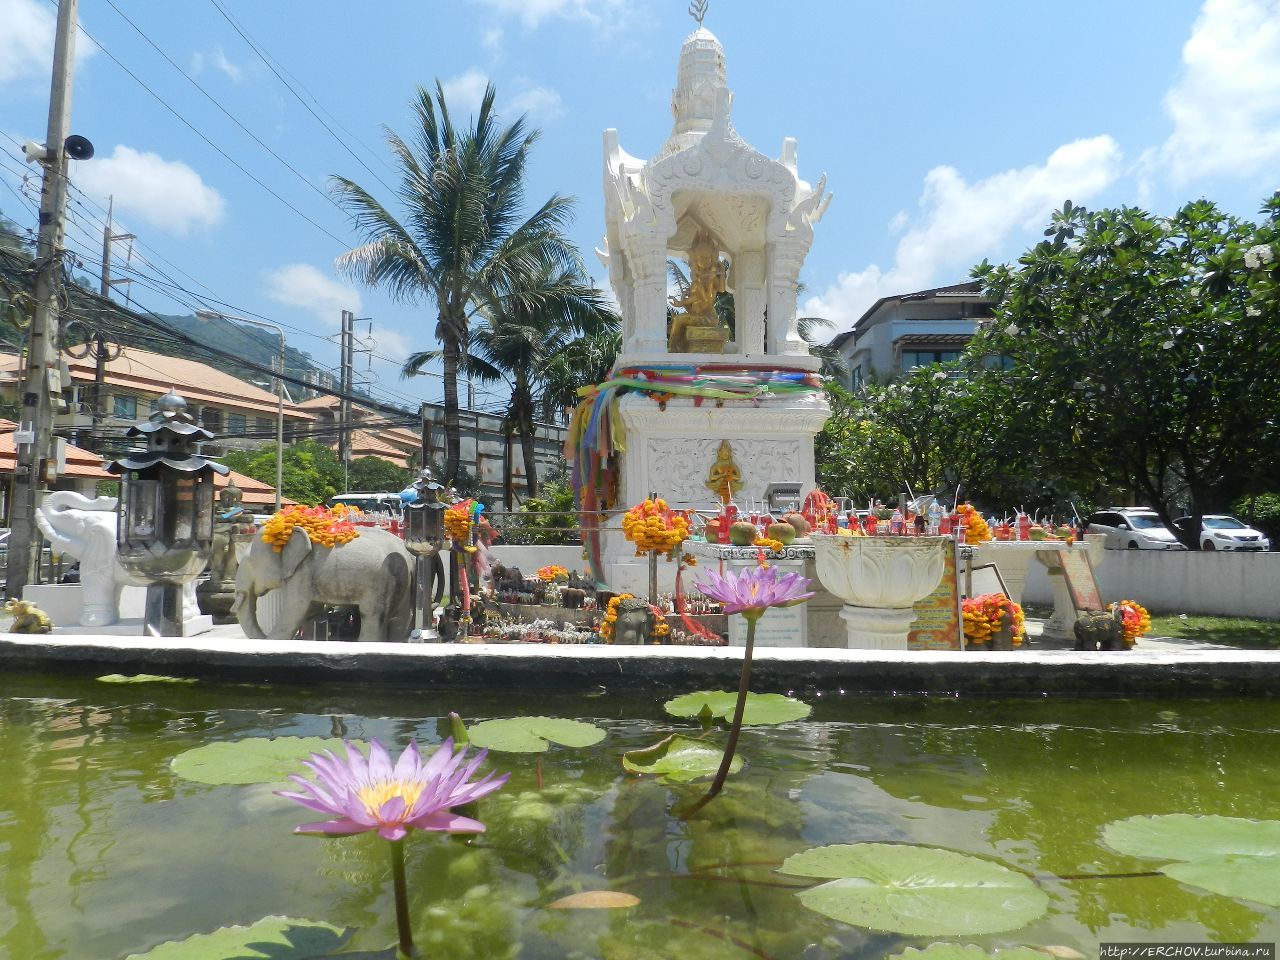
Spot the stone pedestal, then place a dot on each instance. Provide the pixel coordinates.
(872, 628)
(1061, 626)
(1013, 558)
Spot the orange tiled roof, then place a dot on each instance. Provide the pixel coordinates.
(256, 493)
(81, 464)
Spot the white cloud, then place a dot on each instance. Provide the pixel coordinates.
(164, 193)
(961, 223)
(464, 93)
(217, 59)
(302, 285)
(391, 344)
(491, 39)
(1225, 105)
(26, 40)
(608, 14)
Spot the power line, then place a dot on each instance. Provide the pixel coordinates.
(222, 153)
(271, 64)
(217, 103)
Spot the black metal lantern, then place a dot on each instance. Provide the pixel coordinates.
(424, 538)
(165, 525)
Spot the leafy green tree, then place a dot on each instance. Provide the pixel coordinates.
(1146, 353)
(375, 475)
(462, 239)
(312, 473)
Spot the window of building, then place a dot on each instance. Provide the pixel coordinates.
(212, 420)
(264, 425)
(855, 377)
(998, 363)
(922, 358)
(125, 407)
(236, 424)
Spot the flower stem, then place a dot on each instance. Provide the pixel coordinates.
(736, 726)
(402, 898)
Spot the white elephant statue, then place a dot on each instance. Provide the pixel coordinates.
(373, 572)
(86, 529)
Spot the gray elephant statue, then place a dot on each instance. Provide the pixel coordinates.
(1101, 631)
(635, 622)
(86, 529)
(373, 572)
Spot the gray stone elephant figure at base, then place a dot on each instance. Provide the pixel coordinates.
(373, 572)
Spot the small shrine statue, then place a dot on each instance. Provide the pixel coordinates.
(27, 617)
(635, 622)
(724, 479)
(232, 525)
(698, 329)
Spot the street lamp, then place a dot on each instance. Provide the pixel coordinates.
(213, 315)
(424, 538)
(165, 523)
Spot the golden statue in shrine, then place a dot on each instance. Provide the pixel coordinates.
(698, 328)
(724, 479)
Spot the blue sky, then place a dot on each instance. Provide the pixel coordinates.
(948, 130)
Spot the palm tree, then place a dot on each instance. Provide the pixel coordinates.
(462, 239)
(523, 327)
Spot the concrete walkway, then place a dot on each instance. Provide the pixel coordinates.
(1152, 668)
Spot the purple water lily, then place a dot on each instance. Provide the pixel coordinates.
(367, 795)
(755, 590)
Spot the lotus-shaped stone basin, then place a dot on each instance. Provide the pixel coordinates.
(880, 571)
(880, 579)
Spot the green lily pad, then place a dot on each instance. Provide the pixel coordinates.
(920, 891)
(679, 759)
(1234, 875)
(143, 678)
(1181, 836)
(277, 938)
(761, 708)
(967, 951)
(533, 734)
(255, 760)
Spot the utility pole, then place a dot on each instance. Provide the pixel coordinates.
(36, 413)
(344, 405)
(99, 346)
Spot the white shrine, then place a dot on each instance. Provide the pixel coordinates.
(743, 223)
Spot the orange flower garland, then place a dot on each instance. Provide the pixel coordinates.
(1136, 619)
(652, 526)
(975, 528)
(552, 572)
(457, 522)
(611, 617)
(326, 526)
(984, 615)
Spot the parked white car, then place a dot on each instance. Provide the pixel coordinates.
(1133, 528)
(1221, 531)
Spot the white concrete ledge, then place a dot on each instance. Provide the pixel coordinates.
(1158, 670)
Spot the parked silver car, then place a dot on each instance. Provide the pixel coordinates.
(1221, 531)
(1133, 528)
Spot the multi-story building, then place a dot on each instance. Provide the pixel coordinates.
(909, 330)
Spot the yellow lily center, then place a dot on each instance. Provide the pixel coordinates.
(375, 795)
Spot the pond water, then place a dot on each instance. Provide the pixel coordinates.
(105, 852)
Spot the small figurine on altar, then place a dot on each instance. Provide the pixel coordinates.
(698, 328)
(897, 524)
(724, 479)
(934, 522)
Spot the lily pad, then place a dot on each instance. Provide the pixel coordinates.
(761, 708)
(254, 760)
(678, 759)
(143, 678)
(920, 891)
(1233, 875)
(1181, 836)
(533, 734)
(967, 951)
(277, 938)
(595, 900)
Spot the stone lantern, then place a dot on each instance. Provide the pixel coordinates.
(424, 538)
(164, 527)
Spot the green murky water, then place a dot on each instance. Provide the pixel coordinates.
(104, 852)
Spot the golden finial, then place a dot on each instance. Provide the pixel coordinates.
(698, 10)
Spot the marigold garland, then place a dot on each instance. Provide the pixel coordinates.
(653, 527)
(326, 526)
(985, 614)
(975, 528)
(1136, 619)
(552, 572)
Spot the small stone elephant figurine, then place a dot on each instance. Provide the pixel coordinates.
(1101, 631)
(635, 622)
